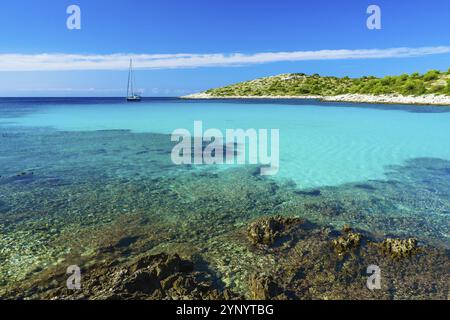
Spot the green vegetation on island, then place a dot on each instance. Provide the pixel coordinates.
(299, 84)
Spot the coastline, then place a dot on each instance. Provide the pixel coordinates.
(429, 99)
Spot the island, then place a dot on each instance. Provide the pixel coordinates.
(431, 88)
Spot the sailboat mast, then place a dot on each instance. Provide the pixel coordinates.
(132, 80)
(131, 96)
(129, 79)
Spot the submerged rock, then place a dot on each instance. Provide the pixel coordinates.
(164, 276)
(123, 243)
(264, 287)
(312, 193)
(400, 248)
(346, 228)
(161, 276)
(267, 230)
(308, 269)
(21, 177)
(347, 242)
(326, 208)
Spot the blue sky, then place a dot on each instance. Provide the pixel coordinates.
(207, 30)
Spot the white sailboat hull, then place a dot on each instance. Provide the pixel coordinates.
(134, 99)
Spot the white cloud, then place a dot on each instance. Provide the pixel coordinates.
(66, 62)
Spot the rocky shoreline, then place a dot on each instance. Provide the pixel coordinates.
(312, 262)
(429, 99)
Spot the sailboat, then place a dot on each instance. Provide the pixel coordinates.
(131, 96)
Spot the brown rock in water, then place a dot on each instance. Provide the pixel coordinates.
(167, 276)
(155, 277)
(400, 248)
(141, 281)
(264, 288)
(350, 240)
(267, 230)
(346, 229)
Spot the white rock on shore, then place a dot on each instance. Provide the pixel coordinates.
(204, 95)
(428, 99)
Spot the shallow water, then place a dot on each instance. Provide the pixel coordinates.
(321, 144)
(79, 175)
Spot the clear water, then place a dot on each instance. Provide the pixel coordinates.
(78, 175)
(320, 144)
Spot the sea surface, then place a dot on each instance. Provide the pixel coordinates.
(78, 176)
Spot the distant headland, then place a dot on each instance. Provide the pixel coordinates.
(431, 88)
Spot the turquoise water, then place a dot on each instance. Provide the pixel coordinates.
(320, 144)
(79, 175)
